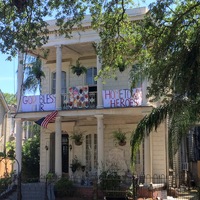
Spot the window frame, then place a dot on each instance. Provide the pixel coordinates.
(63, 86)
(91, 81)
(91, 143)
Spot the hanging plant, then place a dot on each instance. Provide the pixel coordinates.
(122, 65)
(78, 69)
(77, 136)
(75, 165)
(120, 137)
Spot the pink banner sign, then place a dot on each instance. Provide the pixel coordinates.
(122, 98)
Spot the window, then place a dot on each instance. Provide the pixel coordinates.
(90, 75)
(91, 153)
(63, 83)
(92, 86)
(139, 162)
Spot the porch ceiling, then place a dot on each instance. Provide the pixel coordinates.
(130, 115)
(69, 51)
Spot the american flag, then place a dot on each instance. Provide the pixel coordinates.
(46, 120)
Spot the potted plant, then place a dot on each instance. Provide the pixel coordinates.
(78, 69)
(120, 136)
(77, 136)
(122, 65)
(75, 165)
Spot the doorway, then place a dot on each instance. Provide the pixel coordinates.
(64, 153)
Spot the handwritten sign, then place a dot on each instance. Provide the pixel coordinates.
(122, 98)
(38, 103)
(78, 98)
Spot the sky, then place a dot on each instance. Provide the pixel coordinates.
(8, 74)
(8, 69)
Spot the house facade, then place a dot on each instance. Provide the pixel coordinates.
(88, 106)
(6, 133)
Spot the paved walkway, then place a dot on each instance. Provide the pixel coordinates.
(33, 191)
(36, 191)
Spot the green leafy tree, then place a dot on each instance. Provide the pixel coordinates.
(170, 58)
(33, 76)
(10, 99)
(23, 26)
(31, 156)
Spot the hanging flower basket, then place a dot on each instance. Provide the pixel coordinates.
(123, 143)
(120, 137)
(78, 143)
(122, 66)
(75, 165)
(78, 69)
(77, 137)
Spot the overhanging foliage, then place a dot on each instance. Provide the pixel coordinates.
(181, 113)
(170, 59)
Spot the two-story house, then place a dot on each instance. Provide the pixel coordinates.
(6, 133)
(87, 105)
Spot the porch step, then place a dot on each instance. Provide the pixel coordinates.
(33, 191)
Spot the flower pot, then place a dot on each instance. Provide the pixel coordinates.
(78, 143)
(122, 143)
(78, 72)
(121, 68)
(73, 169)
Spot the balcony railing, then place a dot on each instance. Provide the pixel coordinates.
(81, 98)
(79, 103)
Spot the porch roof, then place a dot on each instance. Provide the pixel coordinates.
(88, 114)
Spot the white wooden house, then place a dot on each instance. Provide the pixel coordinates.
(90, 106)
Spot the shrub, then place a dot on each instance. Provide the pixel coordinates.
(4, 183)
(64, 188)
(109, 180)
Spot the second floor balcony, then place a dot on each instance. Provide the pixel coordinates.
(81, 101)
(79, 97)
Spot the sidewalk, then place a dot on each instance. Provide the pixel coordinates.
(33, 191)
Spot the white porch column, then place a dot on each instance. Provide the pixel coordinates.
(100, 142)
(99, 86)
(58, 76)
(58, 154)
(144, 93)
(148, 155)
(18, 144)
(151, 155)
(19, 79)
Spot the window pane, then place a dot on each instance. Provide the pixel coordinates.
(90, 75)
(63, 83)
(53, 83)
